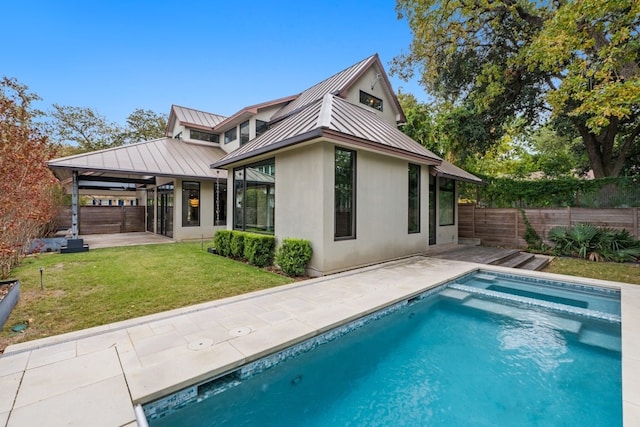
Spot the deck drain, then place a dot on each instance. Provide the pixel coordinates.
(200, 344)
(240, 332)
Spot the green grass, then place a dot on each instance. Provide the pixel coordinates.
(108, 285)
(617, 272)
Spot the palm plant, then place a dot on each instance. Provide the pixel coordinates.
(595, 243)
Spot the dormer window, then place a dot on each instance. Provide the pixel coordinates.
(370, 101)
(261, 127)
(244, 133)
(230, 135)
(203, 136)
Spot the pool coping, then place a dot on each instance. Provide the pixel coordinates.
(66, 378)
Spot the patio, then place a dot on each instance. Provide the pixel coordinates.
(101, 374)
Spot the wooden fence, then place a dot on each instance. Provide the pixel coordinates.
(105, 219)
(505, 227)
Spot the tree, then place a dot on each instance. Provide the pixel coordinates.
(506, 59)
(144, 125)
(85, 128)
(28, 190)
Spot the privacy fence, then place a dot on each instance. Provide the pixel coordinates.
(506, 226)
(104, 219)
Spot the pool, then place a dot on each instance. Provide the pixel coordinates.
(460, 354)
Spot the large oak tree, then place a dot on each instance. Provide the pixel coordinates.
(575, 62)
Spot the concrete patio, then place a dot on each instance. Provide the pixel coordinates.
(97, 376)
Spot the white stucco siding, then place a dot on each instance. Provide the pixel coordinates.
(379, 91)
(206, 228)
(381, 215)
(300, 175)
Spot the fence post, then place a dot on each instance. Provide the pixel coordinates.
(515, 243)
(569, 216)
(635, 223)
(473, 222)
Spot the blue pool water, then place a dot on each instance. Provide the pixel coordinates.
(455, 358)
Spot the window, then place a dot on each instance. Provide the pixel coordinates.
(261, 127)
(345, 188)
(414, 199)
(190, 204)
(447, 201)
(244, 133)
(254, 197)
(230, 135)
(370, 100)
(203, 136)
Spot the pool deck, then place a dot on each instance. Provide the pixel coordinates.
(101, 374)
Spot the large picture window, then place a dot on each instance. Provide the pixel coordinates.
(345, 188)
(414, 199)
(190, 204)
(447, 201)
(254, 197)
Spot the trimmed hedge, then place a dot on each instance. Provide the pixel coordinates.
(257, 249)
(222, 242)
(293, 256)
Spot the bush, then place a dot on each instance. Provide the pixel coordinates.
(237, 244)
(222, 242)
(258, 249)
(293, 256)
(595, 243)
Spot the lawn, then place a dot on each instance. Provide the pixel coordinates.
(617, 272)
(108, 285)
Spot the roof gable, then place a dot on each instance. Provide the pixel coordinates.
(192, 118)
(339, 84)
(337, 119)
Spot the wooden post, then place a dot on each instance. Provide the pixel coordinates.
(635, 223)
(473, 222)
(74, 206)
(569, 215)
(516, 212)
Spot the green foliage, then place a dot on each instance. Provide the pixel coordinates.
(259, 249)
(493, 62)
(561, 192)
(293, 256)
(595, 243)
(533, 239)
(222, 242)
(237, 244)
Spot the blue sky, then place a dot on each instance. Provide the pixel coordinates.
(217, 56)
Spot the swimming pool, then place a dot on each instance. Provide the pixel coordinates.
(442, 358)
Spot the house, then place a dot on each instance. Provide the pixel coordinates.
(328, 165)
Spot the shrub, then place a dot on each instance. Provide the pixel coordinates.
(293, 256)
(222, 242)
(595, 243)
(258, 249)
(237, 244)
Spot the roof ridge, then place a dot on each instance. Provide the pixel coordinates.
(324, 117)
(199, 111)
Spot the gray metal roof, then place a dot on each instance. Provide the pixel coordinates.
(158, 157)
(449, 170)
(190, 116)
(333, 84)
(334, 118)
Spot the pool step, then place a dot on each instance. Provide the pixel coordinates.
(559, 323)
(455, 295)
(484, 277)
(601, 339)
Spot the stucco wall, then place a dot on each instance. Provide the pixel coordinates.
(305, 208)
(206, 228)
(379, 91)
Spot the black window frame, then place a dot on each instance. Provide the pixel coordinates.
(371, 101)
(244, 132)
(344, 196)
(240, 209)
(204, 136)
(413, 198)
(231, 135)
(446, 186)
(261, 127)
(191, 198)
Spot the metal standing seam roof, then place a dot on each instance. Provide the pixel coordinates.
(195, 117)
(332, 113)
(449, 170)
(333, 84)
(164, 157)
